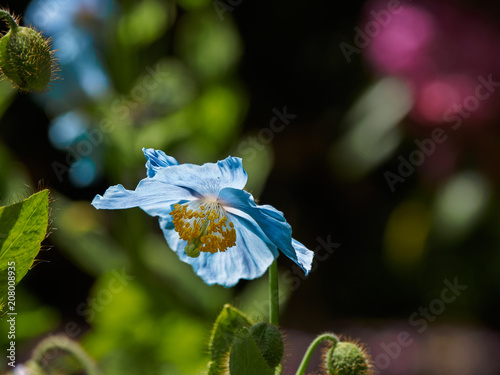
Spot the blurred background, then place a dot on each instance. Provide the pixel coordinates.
(373, 126)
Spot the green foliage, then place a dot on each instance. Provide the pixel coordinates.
(23, 226)
(229, 322)
(269, 341)
(242, 348)
(144, 23)
(245, 358)
(211, 48)
(133, 334)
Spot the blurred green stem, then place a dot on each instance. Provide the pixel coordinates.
(44, 351)
(11, 20)
(307, 357)
(274, 299)
(273, 293)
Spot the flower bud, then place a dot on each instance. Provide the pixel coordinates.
(348, 358)
(269, 341)
(26, 58)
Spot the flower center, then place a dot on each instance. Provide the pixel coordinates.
(205, 226)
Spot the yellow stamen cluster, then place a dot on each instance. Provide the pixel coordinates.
(205, 227)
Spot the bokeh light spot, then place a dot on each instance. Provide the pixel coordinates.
(460, 204)
(65, 129)
(399, 45)
(82, 173)
(372, 134)
(406, 235)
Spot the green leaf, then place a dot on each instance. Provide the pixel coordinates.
(245, 357)
(23, 227)
(229, 322)
(269, 341)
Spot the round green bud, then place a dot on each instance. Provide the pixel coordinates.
(26, 59)
(347, 358)
(269, 341)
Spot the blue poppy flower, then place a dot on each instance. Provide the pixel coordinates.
(208, 220)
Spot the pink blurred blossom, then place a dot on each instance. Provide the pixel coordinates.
(439, 50)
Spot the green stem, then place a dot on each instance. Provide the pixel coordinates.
(307, 357)
(274, 300)
(63, 343)
(11, 20)
(273, 293)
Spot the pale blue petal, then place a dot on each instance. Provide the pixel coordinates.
(248, 259)
(232, 173)
(208, 179)
(304, 255)
(153, 196)
(157, 159)
(271, 221)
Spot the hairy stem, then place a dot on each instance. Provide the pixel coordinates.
(307, 357)
(10, 20)
(45, 351)
(274, 300)
(273, 293)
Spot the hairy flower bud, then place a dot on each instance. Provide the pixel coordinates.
(269, 341)
(348, 358)
(25, 57)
